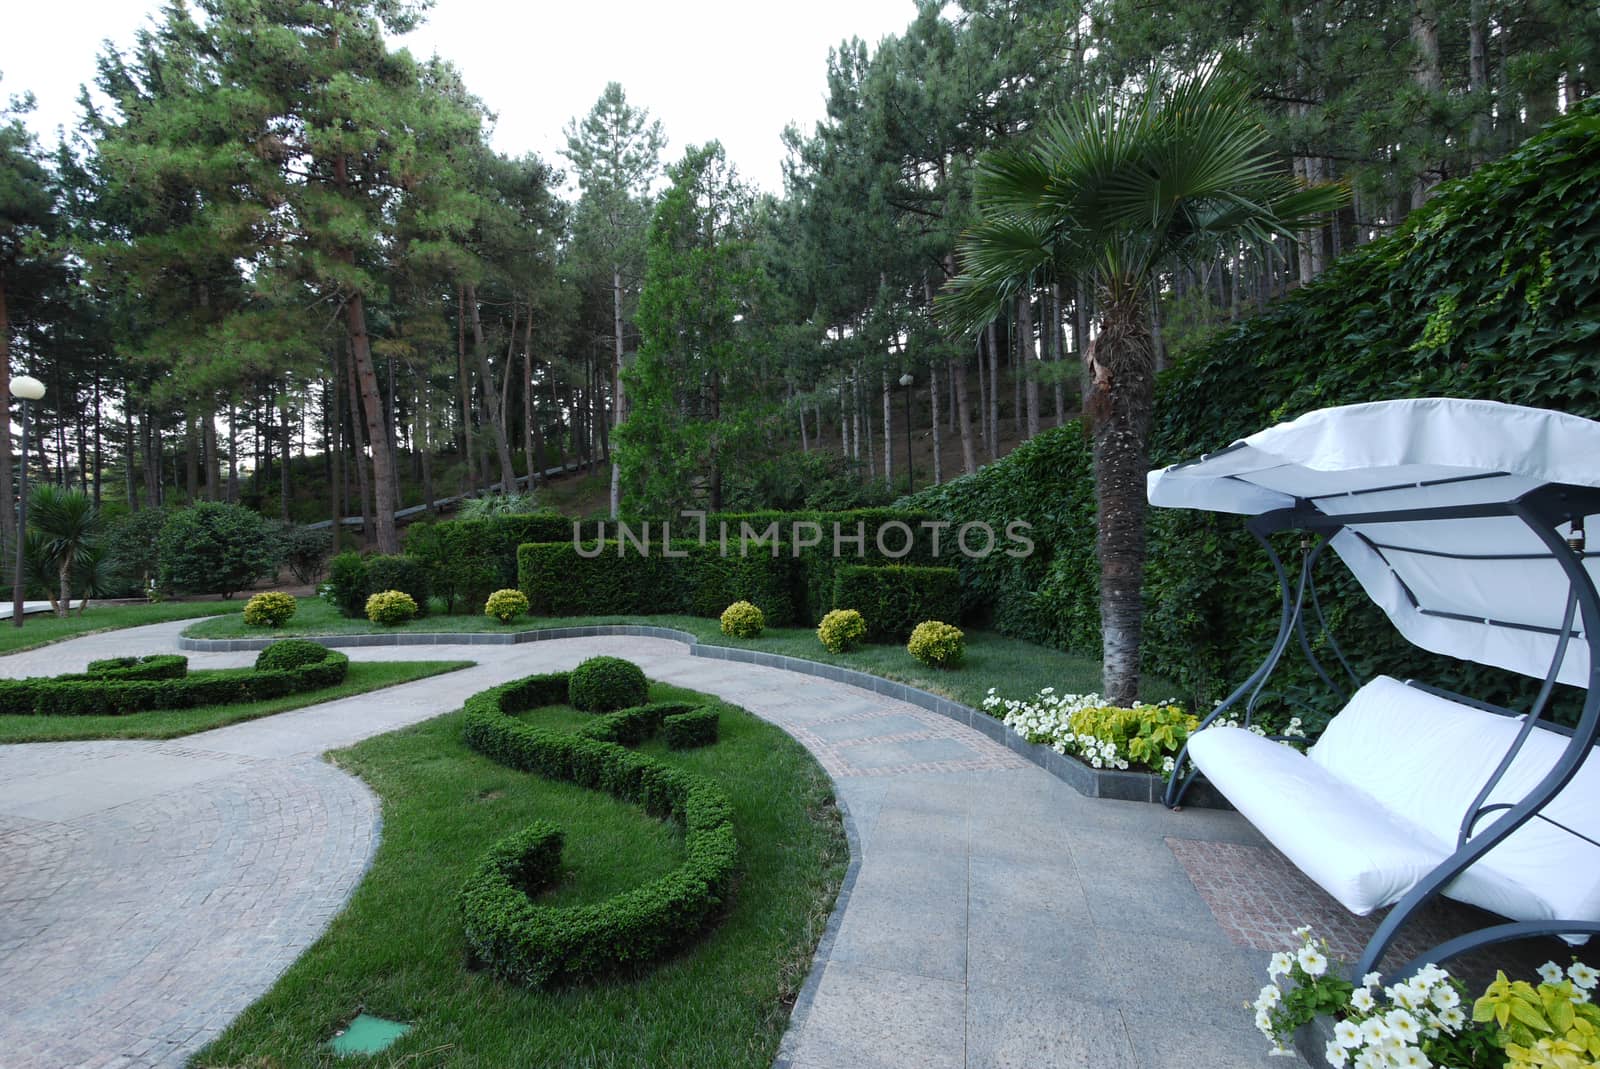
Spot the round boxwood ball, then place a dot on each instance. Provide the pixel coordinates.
(606, 684)
(291, 653)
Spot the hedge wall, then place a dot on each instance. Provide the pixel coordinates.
(1490, 291)
(544, 946)
(115, 689)
(894, 599)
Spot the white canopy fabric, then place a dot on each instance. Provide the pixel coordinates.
(1425, 574)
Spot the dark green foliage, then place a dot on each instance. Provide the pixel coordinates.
(630, 727)
(688, 730)
(712, 582)
(347, 584)
(111, 693)
(893, 599)
(542, 946)
(155, 666)
(303, 550)
(291, 653)
(469, 559)
(399, 572)
(560, 581)
(134, 542)
(213, 548)
(604, 684)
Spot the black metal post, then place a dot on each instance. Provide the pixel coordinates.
(22, 522)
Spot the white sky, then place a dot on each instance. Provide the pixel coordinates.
(736, 70)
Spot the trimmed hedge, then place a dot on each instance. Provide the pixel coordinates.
(894, 600)
(630, 727)
(353, 578)
(544, 946)
(89, 695)
(559, 581)
(605, 684)
(291, 653)
(690, 729)
(155, 666)
(467, 560)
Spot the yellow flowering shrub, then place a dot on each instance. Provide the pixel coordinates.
(269, 610)
(842, 630)
(937, 644)
(506, 605)
(390, 608)
(743, 620)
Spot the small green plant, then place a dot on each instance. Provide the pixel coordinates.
(347, 583)
(391, 608)
(605, 684)
(842, 630)
(506, 605)
(743, 620)
(937, 644)
(269, 610)
(291, 653)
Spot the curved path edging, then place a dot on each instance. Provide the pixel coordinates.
(1090, 782)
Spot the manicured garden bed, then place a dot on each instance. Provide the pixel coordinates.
(41, 629)
(361, 677)
(398, 950)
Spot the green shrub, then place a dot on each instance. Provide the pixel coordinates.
(303, 550)
(469, 559)
(936, 644)
(603, 684)
(155, 666)
(687, 730)
(399, 572)
(709, 581)
(291, 653)
(543, 946)
(506, 605)
(269, 610)
(498, 503)
(347, 584)
(894, 599)
(391, 608)
(134, 544)
(842, 630)
(630, 727)
(155, 683)
(743, 620)
(214, 548)
(559, 581)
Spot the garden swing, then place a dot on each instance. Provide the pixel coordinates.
(1464, 522)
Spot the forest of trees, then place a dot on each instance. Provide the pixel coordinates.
(283, 266)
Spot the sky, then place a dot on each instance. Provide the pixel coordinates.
(735, 70)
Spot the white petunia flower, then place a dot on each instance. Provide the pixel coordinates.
(1374, 1031)
(1402, 1025)
(1371, 980)
(1303, 933)
(1551, 973)
(1582, 975)
(1445, 996)
(1452, 1018)
(1362, 1000)
(1411, 1058)
(1312, 960)
(1336, 1055)
(1347, 1035)
(1280, 965)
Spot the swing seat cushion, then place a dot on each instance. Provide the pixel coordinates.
(1378, 801)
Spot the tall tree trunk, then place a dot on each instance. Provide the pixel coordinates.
(491, 396)
(716, 453)
(336, 495)
(467, 452)
(934, 416)
(191, 459)
(285, 475)
(888, 432)
(1478, 80)
(130, 451)
(208, 442)
(983, 392)
(992, 338)
(425, 454)
(1027, 365)
(969, 452)
(530, 406)
(1122, 393)
(99, 452)
(386, 537)
(8, 493)
(1430, 80)
(1057, 354)
(618, 413)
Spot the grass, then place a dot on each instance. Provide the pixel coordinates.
(1017, 668)
(363, 676)
(41, 629)
(397, 949)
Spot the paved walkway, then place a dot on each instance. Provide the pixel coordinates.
(149, 891)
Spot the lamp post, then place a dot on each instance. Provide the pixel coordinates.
(28, 389)
(911, 468)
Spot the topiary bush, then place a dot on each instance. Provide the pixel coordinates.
(214, 548)
(894, 598)
(605, 684)
(269, 610)
(391, 608)
(347, 584)
(743, 620)
(506, 605)
(688, 730)
(291, 653)
(399, 572)
(155, 666)
(936, 644)
(842, 630)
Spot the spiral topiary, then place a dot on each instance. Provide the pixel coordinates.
(506, 605)
(391, 608)
(291, 653)
(936, 644)
(269, 610)
(842, 630)
(743, 620)
(606, 684)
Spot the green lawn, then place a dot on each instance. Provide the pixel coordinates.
(168, 723)
(397, 949)
(39, 629)
(1018, 669)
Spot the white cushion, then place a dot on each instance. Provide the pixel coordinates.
(1358, 851)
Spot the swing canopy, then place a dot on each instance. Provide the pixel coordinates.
(1430, 501)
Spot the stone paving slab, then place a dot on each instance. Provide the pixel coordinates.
(994, 917)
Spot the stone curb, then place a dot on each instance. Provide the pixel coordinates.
(1090, 782)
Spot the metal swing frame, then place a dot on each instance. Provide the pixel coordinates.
(1542, 510)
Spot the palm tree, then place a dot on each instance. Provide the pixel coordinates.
(1113, 195)
(68, 525)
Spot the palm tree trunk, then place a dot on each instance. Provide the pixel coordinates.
(1121, 395)
(64, 605)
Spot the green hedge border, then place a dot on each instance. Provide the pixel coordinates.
(113, 691)
(545, 946)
